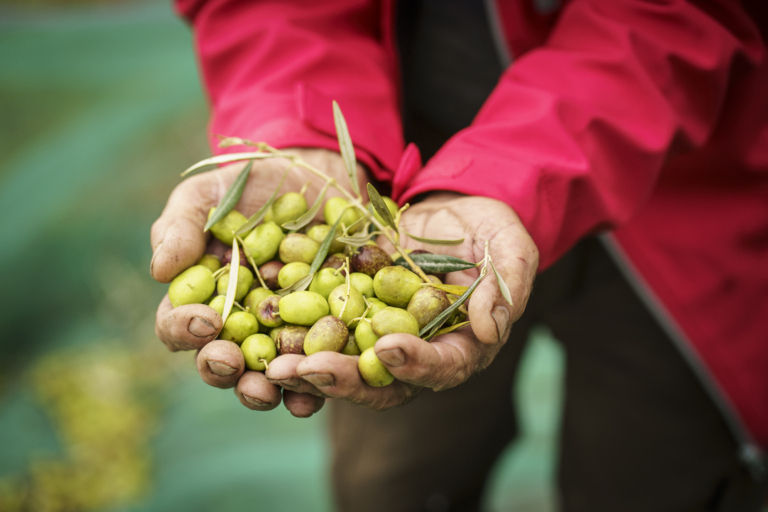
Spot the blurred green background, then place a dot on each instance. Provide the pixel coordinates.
(101, 108)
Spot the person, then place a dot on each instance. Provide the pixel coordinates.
(617, 148)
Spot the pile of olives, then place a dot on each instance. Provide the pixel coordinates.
(357, 296)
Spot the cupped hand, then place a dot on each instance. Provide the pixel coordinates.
(452, 358)
(178, 242)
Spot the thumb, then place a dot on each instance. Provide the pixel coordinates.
(177, 237)
(516, 259)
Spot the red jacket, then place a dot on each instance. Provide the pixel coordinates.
(649, 119)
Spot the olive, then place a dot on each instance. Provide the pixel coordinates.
(373, 371)
(364, 336)
(396, 285)
(325, 281)
(193, 286)
(225, 229)
(355, 305)
(254, 297)
(303, 308)
(239, 325)
(318, 234)
(391, 206)
(335, 208)
(369, 259)
(351, 348)
(266, 311)
(362, 283)
(211, 261)
(335, 261)
(290, 340)
(244, 283)
(258, 350)
(426, 304)
(376, 306)
(227, 258)
(263, 242)
(217, 303)
(327, 334)
(298, 247)
(269, 272)
(288, 207)
(394, 320)
(291, 273)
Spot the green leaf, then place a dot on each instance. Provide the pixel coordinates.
(309, 215)
(231, 197)
(346, 147)
(234, 270)
(298, 286)
(257, 217)
(358, 240)
(436, 263)
(381, 207)
(450, 328)
(436, 241)
(229, 157)
(502, 285)
(442, 317)
(324, 248)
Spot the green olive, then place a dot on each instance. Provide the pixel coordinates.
(193, 286)
(258, 350)
(376, 306)
(291, 273)
(426, 304)
(303, 308)
(288, 207)
(373, 371)
(325, 281)
(255, 296)
(364, 336)
(355, 306)
(210, 261)
(217, 303)
(239, 325)
(396, 285)
(335, 208)
(362, 283)
(327, 334)
(351, 348)
(244, 283)
(225, 229)
(298, 247)
(263, 242)
(394, 320)
(318, 234)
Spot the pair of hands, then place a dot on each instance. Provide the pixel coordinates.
(178, 242)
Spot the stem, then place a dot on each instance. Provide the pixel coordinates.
(265, 363)
(349, 283)
(299, 162)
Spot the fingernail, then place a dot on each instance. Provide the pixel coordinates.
(220, 369)
(286, 383)
(321, 380)
(255, 401)
(154, 255)
(201, 328)
(392, 357)
(501, 317)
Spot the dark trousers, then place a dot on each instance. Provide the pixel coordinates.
(638, 432)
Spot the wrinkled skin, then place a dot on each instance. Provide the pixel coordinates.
(178, 242)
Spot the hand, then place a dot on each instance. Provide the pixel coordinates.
(452, 358)
(178, 242)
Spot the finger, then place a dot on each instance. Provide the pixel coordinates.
(220, 364)
(441, 364)
(516, 259)
(282, 372)
(302, 405)
(177, 237)
(186, 327)
(337, 376)
(256, 393)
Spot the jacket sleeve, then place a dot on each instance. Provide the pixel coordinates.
(271, 69)
(576, 132)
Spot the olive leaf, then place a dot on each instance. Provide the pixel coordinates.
(453, 289)
(310, 214)
(450, 328)
(380, 206)
(502, 285)
(358, 240)
(298, 286)
(324, 248)
(229, 157)
(229, 299)
(442, 317)
(346, 147)
(436, 241)
(257, 217)
(231, 197)
(436, 263)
